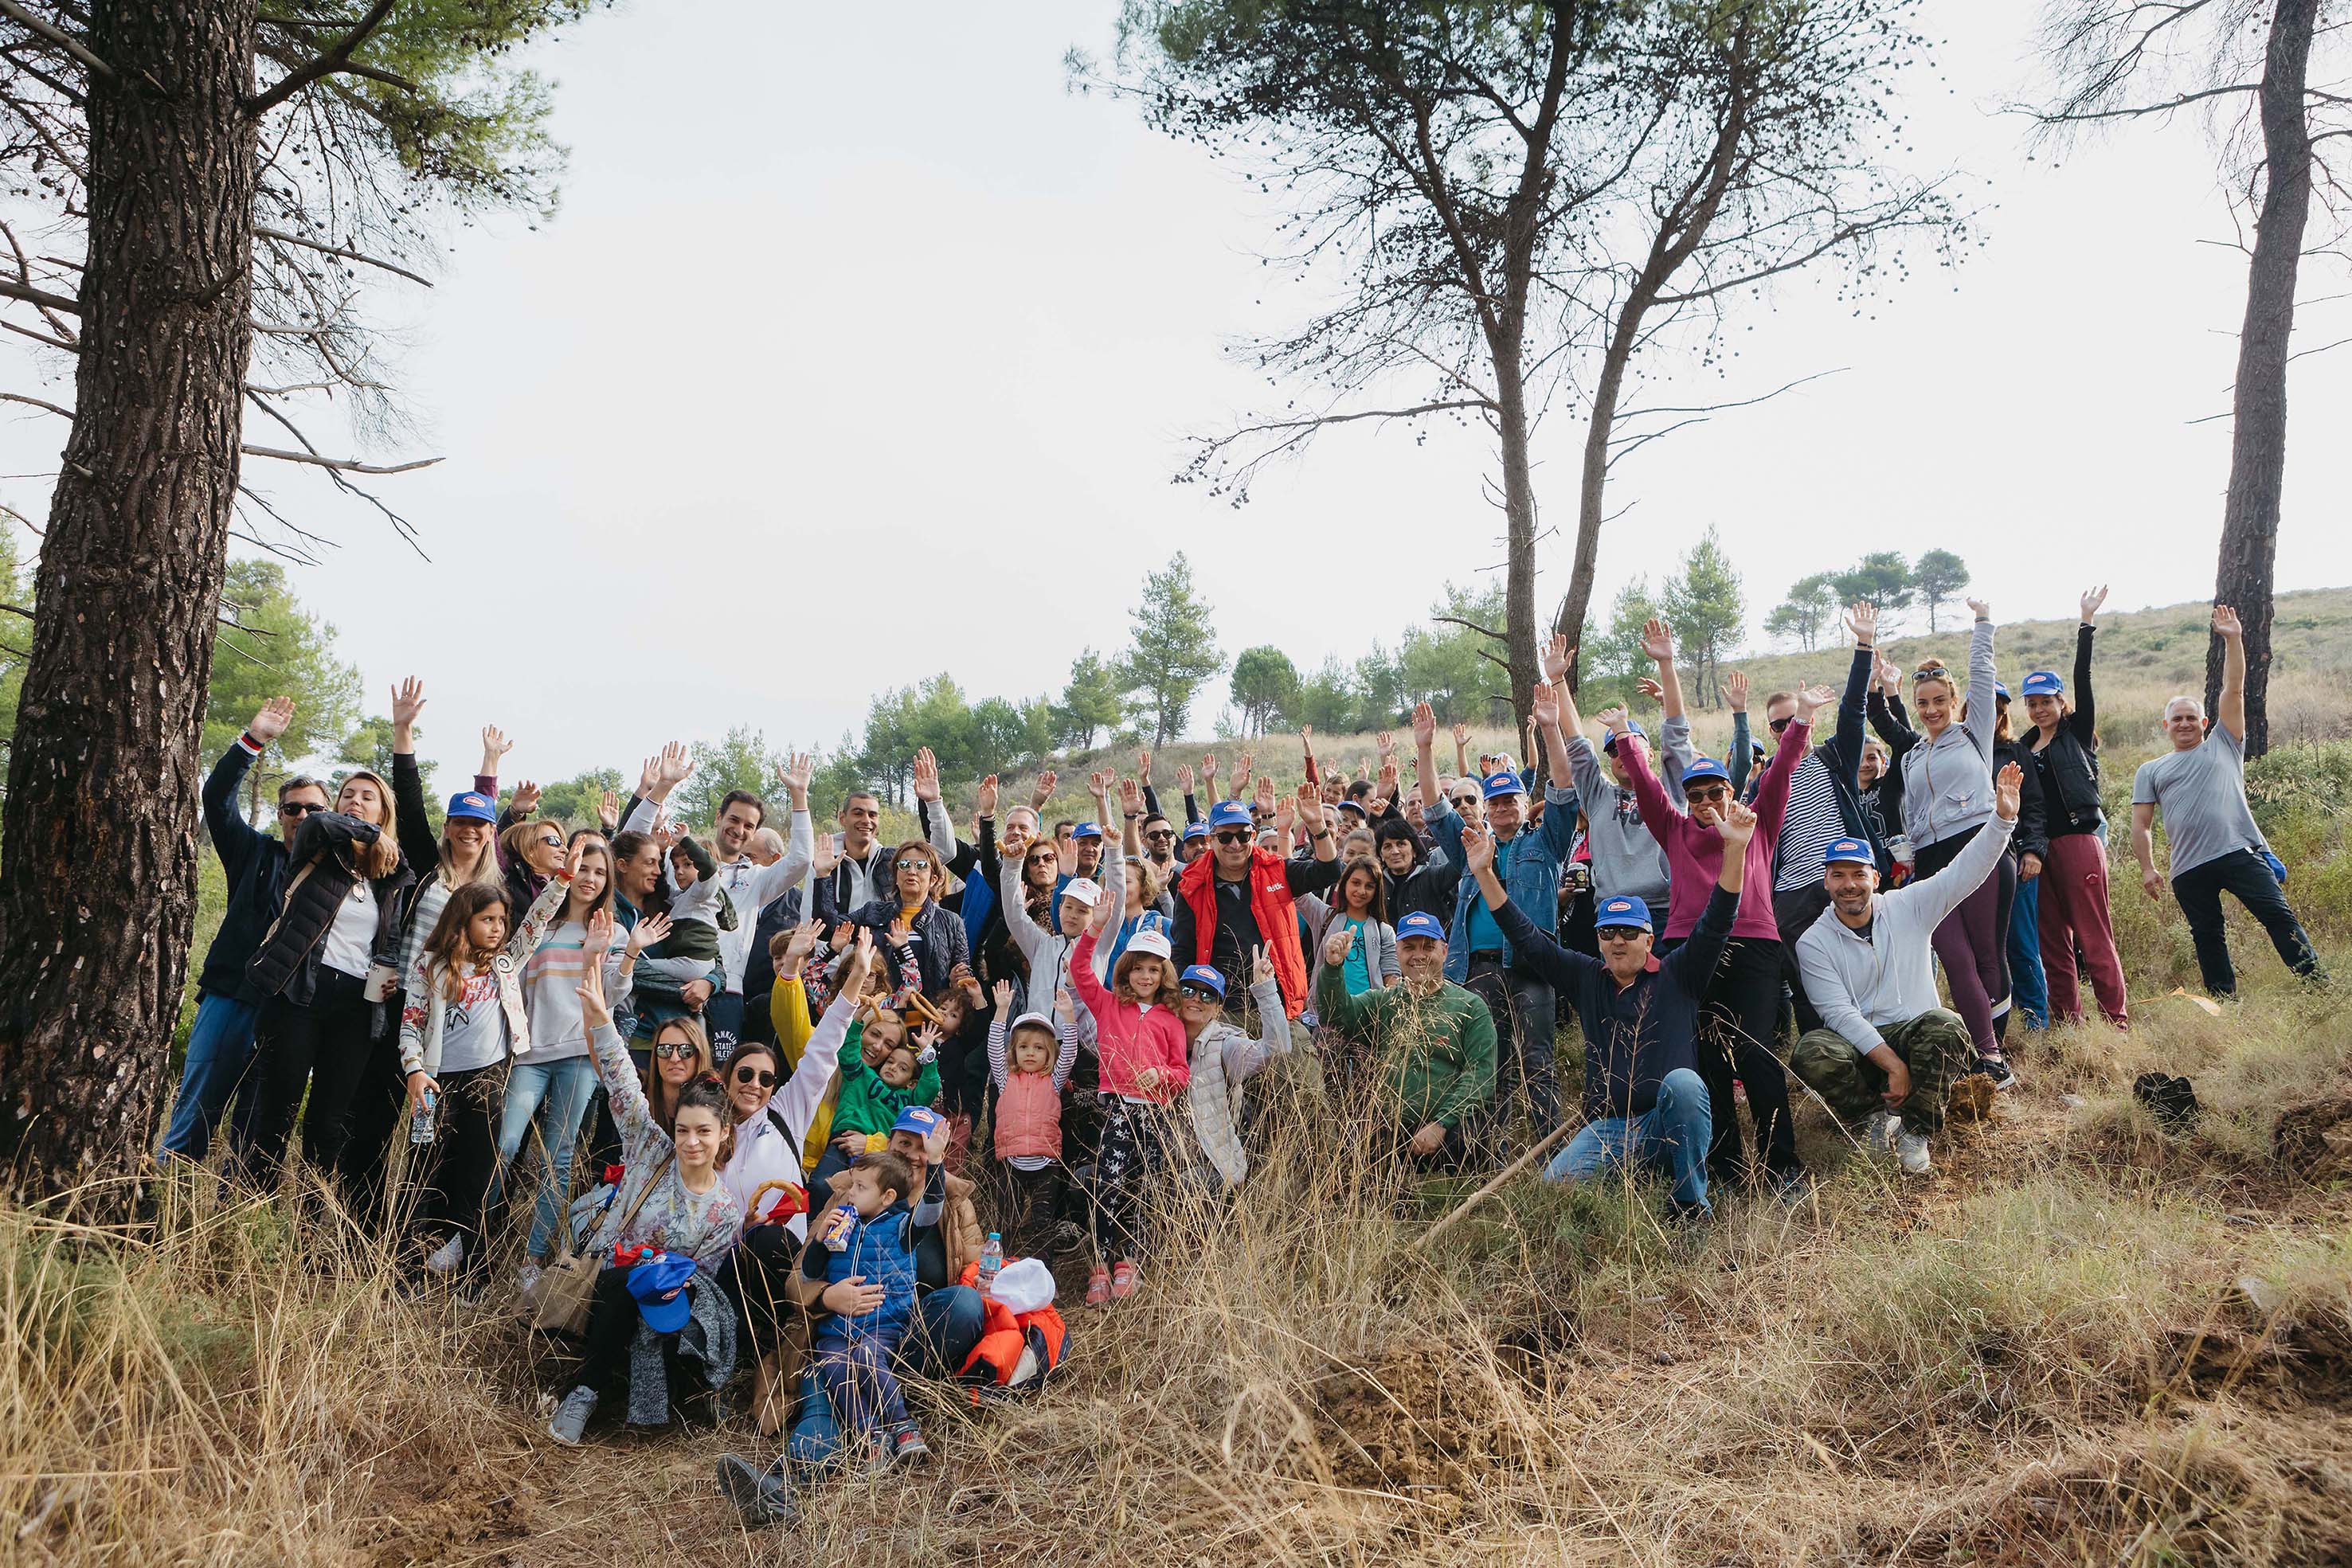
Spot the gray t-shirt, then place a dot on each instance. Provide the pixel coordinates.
(2202, 794)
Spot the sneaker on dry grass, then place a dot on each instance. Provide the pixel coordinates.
(761, 1497)
(1879, 1133)
(446, 1256)
(572, 1416)
(907, 1447)
(1997, 1068)
(1124, 1279)
(1911, 1151)
(1098, 1287)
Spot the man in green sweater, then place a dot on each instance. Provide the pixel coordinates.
(1434, 1041)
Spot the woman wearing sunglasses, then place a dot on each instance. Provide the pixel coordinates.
(921, 939)
(771, 1113)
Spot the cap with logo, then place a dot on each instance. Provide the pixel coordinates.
(469, 807)
(1622, 910)
(1848, 851)
(2044, 684)
(1205, 975)
(1085, 889)
(1419, 922)
(1504, 783)
(1229, 814)
(658, 1283)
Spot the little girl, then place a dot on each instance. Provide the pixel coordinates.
(1029, 1114)
(882, 1072)
(1144, 1065)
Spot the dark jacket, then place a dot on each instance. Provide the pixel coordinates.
(2069, 765)
(254, 862)
(2032, 835)
(1427, 889)
(938, 942)
(1635, 1035)
(286, 961)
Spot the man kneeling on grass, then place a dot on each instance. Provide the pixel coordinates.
(1433, 1042)
(1888, 1055)
(1644, 1104)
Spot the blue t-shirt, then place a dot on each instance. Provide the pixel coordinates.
(1358, 968)
(1482, 933)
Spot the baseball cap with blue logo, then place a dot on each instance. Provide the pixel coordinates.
(1229, 814)
(1419, 922)
(1704, 768)
(1622, 910)
(658, 1283)
(1632, 727)
(1195, 830)
(2044, 684)
(1848, 851)
(1504, 783)
(1205, 975)
(919, 1120)
(1086, 830)
(469, 807)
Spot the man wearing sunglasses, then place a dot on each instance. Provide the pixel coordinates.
(220, 1045)
(1238, 895)
(1479, 954)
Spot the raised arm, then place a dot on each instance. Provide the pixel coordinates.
(418, 844)
(1658, 814)
(1853, 704)
(1424, 762)
(1658, 642)
(2085, 717)
(1739, 759)
(1529, 945)
(2230, 709)
(772, 882)
(1982, 715)
(234, 838)
(1943, 892)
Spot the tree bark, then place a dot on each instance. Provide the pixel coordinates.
(98, 891)
(2250, 517)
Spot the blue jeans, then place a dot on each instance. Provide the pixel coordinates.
(1670, 1137)
(948, 1322)
(220, 1048)
(554, 1095)
(2029, 988)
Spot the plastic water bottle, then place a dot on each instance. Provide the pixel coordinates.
(992, 1259)
(420, 1123)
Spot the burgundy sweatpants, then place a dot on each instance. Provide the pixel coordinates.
(2075, 911)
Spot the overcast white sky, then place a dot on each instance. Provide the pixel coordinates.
(857, 327)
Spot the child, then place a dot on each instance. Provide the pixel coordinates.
(854, 1351)
(1029, 1113)
(700, 909)
(1144, 1063)
(882, 1073)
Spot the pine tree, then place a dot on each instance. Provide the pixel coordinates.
(1175, 650)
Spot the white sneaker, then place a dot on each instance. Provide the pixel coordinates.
(1911, 1150)
(526, 1276)
(446, 1256)
(1881, 1132)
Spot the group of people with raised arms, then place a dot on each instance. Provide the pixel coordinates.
(763, 1082)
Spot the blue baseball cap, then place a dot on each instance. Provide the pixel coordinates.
(1704, 768)
(658, 1283)
(1196, 830)
(919, 1120)
(1086, 830)
(1504, 783)
(2000, 692)
(1419, 922)
(1632, 726)
(1206, 976)
(1850, 852)
(1622, 909)
(2044, 684)
(467, 806)
(1350, 803)
(1229, 814)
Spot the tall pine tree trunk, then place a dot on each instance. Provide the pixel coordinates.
(98, 891)
(2250, 518)
(1520, 522)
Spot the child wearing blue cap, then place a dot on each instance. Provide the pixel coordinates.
(873, 1242)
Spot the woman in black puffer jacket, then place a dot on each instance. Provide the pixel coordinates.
(912, 926)
(310, 974)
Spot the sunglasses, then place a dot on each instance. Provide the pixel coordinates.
(1708, 792)
(1160, 833)
(1200, 993)
(1042, 860)
(915, 865)
(677, 1049)
(1232, 835)
(747, 1075)
(1778, 725)
(551, 843)
(1619, 933)
(297, 807)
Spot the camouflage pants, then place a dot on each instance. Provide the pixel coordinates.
(1935, 1046)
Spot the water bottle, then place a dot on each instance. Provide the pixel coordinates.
(992, 1259)
(420, 1121)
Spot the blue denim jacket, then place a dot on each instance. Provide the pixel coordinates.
(1533, 880)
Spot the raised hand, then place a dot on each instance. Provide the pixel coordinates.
(495, 745)
(984, 799)
(1002, 992)
(1980, 609)
(649, 777)
(1543, 704)
(1811, 697)
(2005, 792)
(1616, 720)
(600, 936)
(800, 768)
(608, 810)
(648, 932)
(1890, 675)
(1047, 782)
(1477, 849)
(824, 856)
(1307, 738)
(1658, 640)
(1862, 620)
(1209, 770)
(526, 797)
(2091, 599)
(271, 720)
(1734, 689)
(1098, 785)
(572, 858)
(667, 832)
(1424, 726)
(1184, 778)
(1065, 1005)
(1265, 798)
(1242, 778)
(1649, 687)
(1558, 655)
(1262, 965)
(797, 947)
(1737, 825)
(1386, 788)
(1130, 796)
(1461, 733)
(407, 702)
(1143, 766)
(2226, 622)
(673, 766)
(590, 992)
(927, 776)
(1336, 945)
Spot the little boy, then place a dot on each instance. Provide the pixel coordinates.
(853, 1352)
(877, 1082)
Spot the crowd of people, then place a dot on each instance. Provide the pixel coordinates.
(762, 1082)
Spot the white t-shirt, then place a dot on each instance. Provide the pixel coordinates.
(352, 936)
(473, 1027)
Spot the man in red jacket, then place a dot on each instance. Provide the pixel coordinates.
(1238, 895)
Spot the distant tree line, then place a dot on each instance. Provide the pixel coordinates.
(1884, 578)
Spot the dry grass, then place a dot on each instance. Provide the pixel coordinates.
(2085, 1340)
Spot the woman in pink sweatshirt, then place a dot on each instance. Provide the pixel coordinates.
(1144, 1066)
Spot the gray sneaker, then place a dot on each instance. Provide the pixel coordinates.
(1882, 1129)
(572, 1416)
(761, 1497)
(1911, 1152)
